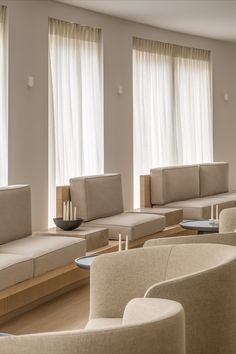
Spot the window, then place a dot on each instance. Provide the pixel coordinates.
(75, 104)
(172, 105)
(3, 99)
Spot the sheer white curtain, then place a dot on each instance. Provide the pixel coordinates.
(3, 99)
(172, 107)
(75, 104)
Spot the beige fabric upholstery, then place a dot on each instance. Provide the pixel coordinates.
(15, 212)
(129, 274)
(47, 252)
(226, 197)
(14, 269)
(149, 326)
(172, 216)
(169, 184)
(131, 224)
(199, 276)
(228, 238)
(227, 220)
(214, 178)
(97, 196)
(200, 208)
(97, 323)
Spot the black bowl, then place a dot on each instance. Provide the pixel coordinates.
(67, 225)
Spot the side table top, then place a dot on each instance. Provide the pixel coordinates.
(200, 225)
(85, 262)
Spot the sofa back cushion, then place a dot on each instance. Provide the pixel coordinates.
(214, 178)
(15, 213)
(170, 184)
(97, 196)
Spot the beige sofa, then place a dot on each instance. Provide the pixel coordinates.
(153, 326)
(22, 254)
(99, 203)
(192, 188)
(200, 277)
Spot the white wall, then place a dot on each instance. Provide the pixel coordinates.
(28, 54)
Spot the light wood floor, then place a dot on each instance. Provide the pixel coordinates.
(68, 311)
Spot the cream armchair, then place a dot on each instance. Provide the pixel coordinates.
(227, 220)
(153, 326)
(200, 277)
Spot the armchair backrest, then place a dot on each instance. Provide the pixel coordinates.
(97, 196)
(202, 277)
(118, 277)
(227, 220)
(188, 259)
(227, 238)
(15, 212)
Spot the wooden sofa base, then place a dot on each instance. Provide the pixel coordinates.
(31, 293)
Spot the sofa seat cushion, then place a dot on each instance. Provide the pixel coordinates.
(134, 225)
(47, 252)
(200, 208)
(173, 216)
(14, 269)
(98, 323)
(226, 197)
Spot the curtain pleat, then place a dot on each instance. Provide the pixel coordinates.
(76, 103)
(172, 107)
(3, 99)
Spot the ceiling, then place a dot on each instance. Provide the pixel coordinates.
(207, 18)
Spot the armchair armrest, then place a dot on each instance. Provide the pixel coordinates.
(157, 329)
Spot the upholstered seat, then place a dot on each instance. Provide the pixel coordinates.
(99, 202)
(153, 326)
(226, 197)
(199, 276)
(47, 252)
(14, 269)
(131, 224)
(24, 255)
(200, 208)
(172, 216)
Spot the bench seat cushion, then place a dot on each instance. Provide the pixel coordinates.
(14, 269)
(226, 197)
(200, 208)
(173, 216)
(134, 225)
(47, 252)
